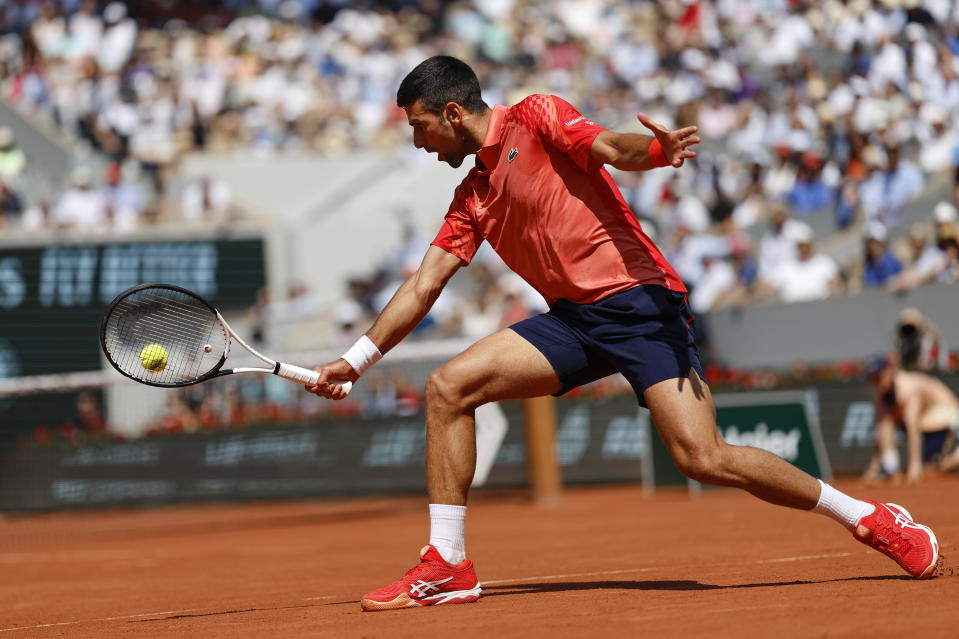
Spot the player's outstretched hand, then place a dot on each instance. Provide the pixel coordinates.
(675, 143)
(338, 370)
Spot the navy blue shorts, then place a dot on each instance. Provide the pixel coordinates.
(645, 333)
(933, 444)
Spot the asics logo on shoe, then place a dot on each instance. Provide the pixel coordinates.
(421, 587)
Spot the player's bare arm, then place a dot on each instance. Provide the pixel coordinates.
(407, 308)
(413, 300)
(637, 152)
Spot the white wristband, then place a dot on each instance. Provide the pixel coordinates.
(362, 355)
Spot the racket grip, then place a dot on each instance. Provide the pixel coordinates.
(306, 376)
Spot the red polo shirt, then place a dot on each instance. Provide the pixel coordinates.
(553, 214)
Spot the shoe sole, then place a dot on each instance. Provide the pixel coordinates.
(937, 566)
(405, 601)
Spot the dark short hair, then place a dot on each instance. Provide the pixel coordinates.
(439, 80)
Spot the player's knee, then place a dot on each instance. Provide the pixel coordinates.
(443, 388)
(703, 463)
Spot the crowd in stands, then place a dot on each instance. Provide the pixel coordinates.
(824, 123)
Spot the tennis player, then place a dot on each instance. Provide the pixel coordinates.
(540, 195)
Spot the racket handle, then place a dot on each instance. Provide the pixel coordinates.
(306, 376)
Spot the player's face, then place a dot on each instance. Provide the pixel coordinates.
(435, 134)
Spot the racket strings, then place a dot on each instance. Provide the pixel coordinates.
(179, 323)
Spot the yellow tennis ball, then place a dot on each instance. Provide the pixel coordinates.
(153, 357)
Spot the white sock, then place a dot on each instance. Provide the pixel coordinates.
(447, 532)
(841, 507)
(889, 461)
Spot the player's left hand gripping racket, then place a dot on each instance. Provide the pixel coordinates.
(164, 335)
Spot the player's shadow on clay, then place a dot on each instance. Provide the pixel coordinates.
(673, 584)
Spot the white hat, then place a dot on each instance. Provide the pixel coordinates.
(944, 212)
(876, 230)
(81, 176)
(801, 233)
(114, 12)
(915, 31)
(693, 59)
(909, 316)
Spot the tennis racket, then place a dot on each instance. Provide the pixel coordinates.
(164, 335)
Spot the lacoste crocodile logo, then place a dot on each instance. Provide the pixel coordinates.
(512, 154)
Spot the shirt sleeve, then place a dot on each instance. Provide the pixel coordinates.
(568, 130)
(459, 234)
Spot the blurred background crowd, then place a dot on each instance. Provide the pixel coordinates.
(824, 123)
(828, 166)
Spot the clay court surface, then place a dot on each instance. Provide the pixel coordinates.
(607, 562)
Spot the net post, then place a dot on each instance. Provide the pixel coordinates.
(542, 467)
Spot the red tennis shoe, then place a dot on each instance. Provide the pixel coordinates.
(891, 530)
(429, 583)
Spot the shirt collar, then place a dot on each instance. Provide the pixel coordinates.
(488, 154)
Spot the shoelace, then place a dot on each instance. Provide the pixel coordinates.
(416, 570)
(896, 543)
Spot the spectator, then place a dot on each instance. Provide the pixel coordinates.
(350, 315)
(943, 215)
(778, 243)
(687, 250)
(887, 190)
(927, 262)
(86, 31)
(207, 200)
(935, 155)
(119, 37)
(809, 194)
(809, 277)
(49, 31)
(680, 206)
(781, 177)
(717, 116)
(881, 265)
(753, 203)
(36, 217)
(405, 259)
(11, 206)
(847, 203)
(484, 316)
(126, 197)
(12, 158)
(717, 279)
(81, 207)
(948, 239)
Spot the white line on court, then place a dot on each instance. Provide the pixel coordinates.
(803, 558)
(71, 623)
(82, 555)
